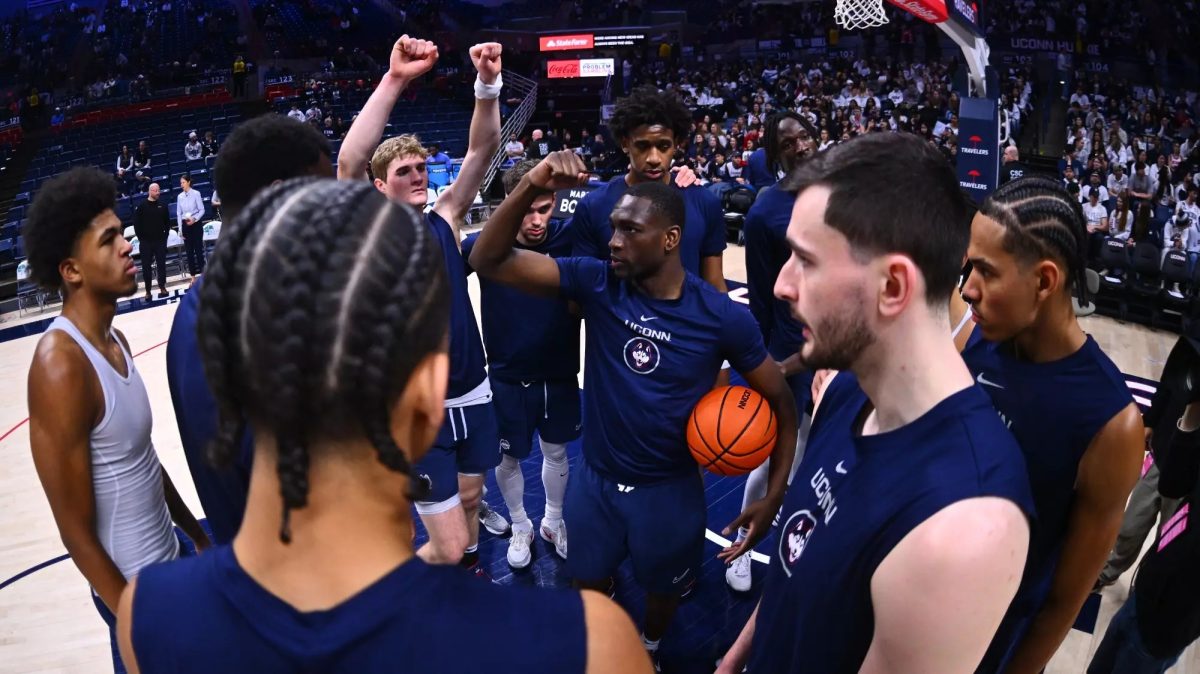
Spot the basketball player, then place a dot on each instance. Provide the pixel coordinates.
(89, 415)
(902, 540)
(466, 448)
(343, 388)
(656, 337)
(533, 364)
(1062, 398)
(789, 138)
(651, 126)
(260, 151)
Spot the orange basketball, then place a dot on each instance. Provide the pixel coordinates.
(731, 431)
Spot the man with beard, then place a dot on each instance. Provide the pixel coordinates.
(903, 541)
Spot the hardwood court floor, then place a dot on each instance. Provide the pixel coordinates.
(48, 624)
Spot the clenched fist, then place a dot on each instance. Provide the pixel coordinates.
(486, 57)
(559, 170)
(412, 58)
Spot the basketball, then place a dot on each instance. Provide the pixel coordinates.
(731, 430)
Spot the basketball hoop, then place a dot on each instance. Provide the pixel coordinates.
(854, 14)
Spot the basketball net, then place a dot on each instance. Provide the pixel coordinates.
(854, 14)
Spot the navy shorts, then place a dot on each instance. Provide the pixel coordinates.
(551, 408)
(467, 444)
(659, 526)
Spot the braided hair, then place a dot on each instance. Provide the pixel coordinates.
(320, 300)
(1041, 221)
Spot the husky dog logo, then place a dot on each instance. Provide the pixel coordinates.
(794, 538)
(641, 355)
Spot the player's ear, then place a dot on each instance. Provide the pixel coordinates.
(381, 186)
(417, 415)
(1049, 277)
(899, 281)
(671, 237)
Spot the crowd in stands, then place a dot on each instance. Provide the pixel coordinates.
(141, 46)
(732, 101)
(1132, 157)
(36, 56)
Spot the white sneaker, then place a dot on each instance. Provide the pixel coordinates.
(738, 574)
(557, 537)
(493, 521)
(519, 554)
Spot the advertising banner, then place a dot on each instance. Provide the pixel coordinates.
(978, 146)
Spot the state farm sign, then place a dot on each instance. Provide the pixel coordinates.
(571, 68)
(932, 11)
(565, 42)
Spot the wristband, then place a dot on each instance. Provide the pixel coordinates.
(488, 92)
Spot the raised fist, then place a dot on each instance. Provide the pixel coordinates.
(486, 57)
(412, 58)
(559, 170)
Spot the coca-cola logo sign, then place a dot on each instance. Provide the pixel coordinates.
(932, 11)
(562, 69)
(572, 68)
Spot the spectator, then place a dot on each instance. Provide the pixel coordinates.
(193, 150)
(1012, 167)
(1069, 180)
(1118, 182)
(189, 208)
(210, 145)
(1178, 234)
(1189, 209)
(826, 141)
(514, 148)
(125, 168)
(1120, 221)
(239, 77)
(1141, 188)
(152, 224)
(141, 163)
(296, 113)
(331, 130)
(1097, 222)
(436, 156)
(1094, 184)
(313, 114)
(542, 145)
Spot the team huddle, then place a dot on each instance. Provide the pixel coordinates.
(961, 450)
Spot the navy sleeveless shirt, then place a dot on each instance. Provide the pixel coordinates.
(205, 614)
(854, 498)
(1054, 410)
(467, 363)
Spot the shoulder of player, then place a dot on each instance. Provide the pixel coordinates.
(61, 370)
(1122, 431)
(964, 534)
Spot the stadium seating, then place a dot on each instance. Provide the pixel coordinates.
(99, 145)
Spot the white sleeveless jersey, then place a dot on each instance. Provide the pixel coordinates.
(132, 520)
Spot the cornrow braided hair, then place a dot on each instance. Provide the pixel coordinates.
(1042, 221)
(320, 300)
